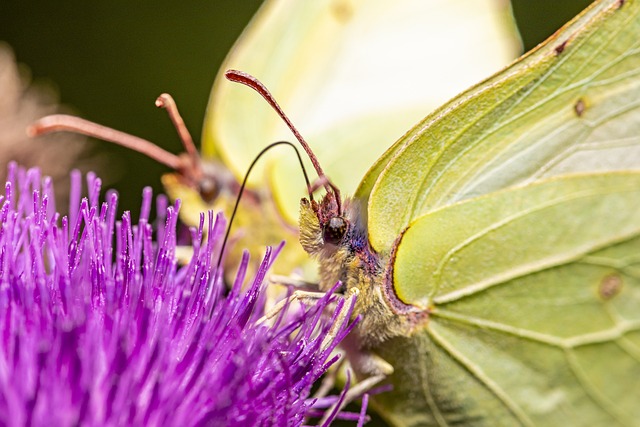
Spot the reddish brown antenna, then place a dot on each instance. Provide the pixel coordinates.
(255, 84)
(188, 165)
(166, 101)
(64, 122)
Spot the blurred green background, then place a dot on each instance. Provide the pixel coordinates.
(110, 60)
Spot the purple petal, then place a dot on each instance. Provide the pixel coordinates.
(100, 325)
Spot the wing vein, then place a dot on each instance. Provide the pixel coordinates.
(484, 379)
(428, 183)
(592, 391)
(527, 268)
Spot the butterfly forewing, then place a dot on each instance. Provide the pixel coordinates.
(573, 105)
(353, 75)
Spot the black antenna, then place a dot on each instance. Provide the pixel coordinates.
(252, 82)
(244, 183)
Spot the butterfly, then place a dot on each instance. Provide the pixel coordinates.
(495, 247)
(292, 45)
(322, 59)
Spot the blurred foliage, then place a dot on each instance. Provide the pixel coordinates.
(110, 60)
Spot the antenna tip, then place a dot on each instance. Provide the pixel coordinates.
(232, 74)
(238, 76)
(163, 100)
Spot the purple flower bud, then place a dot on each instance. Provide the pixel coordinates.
(99, 325)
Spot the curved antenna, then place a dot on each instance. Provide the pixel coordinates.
(188, 165)
(64, 122)
(252, 82)
(167, 102)
(244, 183)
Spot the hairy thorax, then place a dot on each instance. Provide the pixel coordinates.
(354, 263)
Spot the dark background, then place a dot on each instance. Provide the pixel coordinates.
(110, 60)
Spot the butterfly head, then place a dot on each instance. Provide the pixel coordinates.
(322, 224)
(337, 238)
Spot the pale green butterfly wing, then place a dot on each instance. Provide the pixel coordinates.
(353, 76)
(307, 52)
(533, 295)
(518, 232)
(571, 105)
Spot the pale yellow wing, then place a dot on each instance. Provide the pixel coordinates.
(572, 105)
(353, 75)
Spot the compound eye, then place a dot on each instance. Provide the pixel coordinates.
(208, 190)
(335, 230)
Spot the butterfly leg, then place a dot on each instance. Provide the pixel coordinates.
(369, 366)
(302, 296)
(295, 283)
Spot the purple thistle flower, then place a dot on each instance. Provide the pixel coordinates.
(96, 334)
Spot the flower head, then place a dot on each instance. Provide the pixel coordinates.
(99, 325)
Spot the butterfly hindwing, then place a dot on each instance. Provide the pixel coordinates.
(531, 296)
